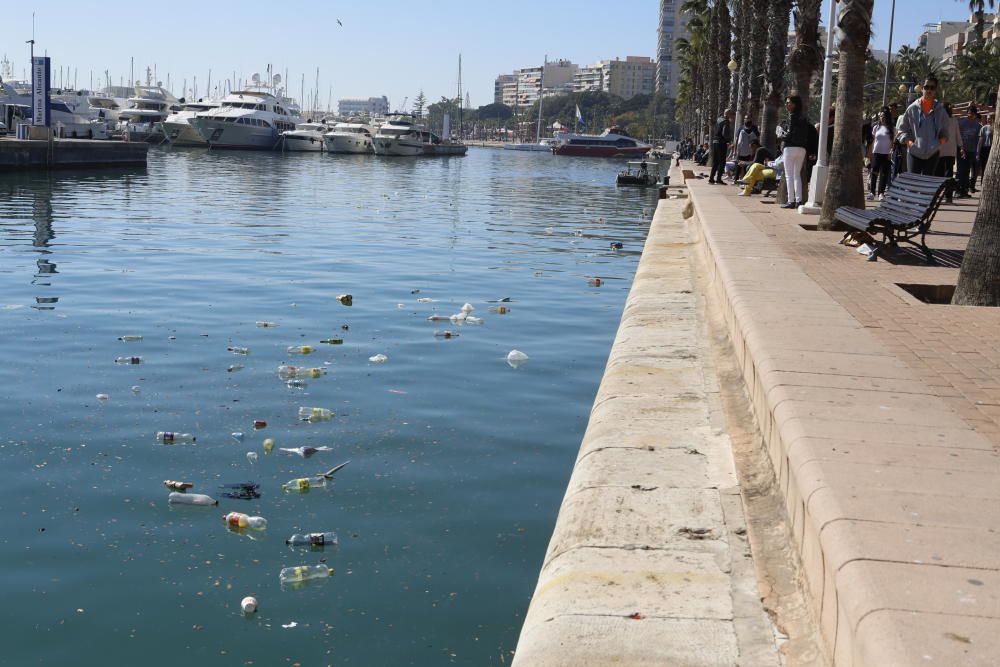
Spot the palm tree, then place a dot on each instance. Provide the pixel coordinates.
(735, 99)
(722, 47)
(845, 186)
(807, 54)
(977, 72)
(777, 47)
(979, 277)
(758, 35)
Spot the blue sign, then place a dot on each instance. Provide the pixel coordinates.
(40, 82)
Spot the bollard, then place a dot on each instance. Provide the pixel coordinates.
(663, 192)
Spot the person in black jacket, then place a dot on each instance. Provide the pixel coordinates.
(722, 139)
(799, 142)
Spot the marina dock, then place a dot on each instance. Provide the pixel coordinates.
(16, 154)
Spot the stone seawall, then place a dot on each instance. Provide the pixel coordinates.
(649, 562)
(19, 154)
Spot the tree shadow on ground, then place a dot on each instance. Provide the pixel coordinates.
(909, 256)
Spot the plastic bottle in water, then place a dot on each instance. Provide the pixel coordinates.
(300, 349)
(313, 540)
(287, 372)
(294, 575)
(238, 350)
(315, 414)
(303, 483)
(176, 498)
(170, 438)
(267, 325)
(240, 520)
(128, 360)
(130, 338)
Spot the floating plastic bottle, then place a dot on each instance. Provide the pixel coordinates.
(295, 383)
(499, 310)
(378, 359)
(617, 245)
(472, 319)
(300, 372)
(595, 282)
(237, 436)
(300, 349)
(425, 299)
(315, 414)
(102, 397)
(125, 361)
(259, 424)
(268, 445)
(130, 338)
(252, 457)
(235, 367)
(306, 483)
(516, 358)
(170, 438)
(248, 605)
(300, 573)
(439, 318)
(312, 540)
(267, 325)
(333, 341)
(176, 498)
(240, 520)
(238, 350)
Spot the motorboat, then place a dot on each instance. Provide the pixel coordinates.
(246, 119)
(305, 137)
(401, 136)
(543, 146)
(63, 119)
(150, 107)
(613, 142)
(178, 129)
(352, 136)
(638, 173)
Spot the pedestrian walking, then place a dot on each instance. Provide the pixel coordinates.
(923, 130)
(968, 152)
(949, 152)
(722, 139)
(880, 154)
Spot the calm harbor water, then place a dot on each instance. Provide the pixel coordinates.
(458, 461)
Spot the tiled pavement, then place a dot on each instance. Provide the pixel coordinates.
(954, 349)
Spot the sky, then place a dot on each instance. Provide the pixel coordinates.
(385, 48)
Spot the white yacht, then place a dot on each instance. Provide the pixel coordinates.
(150, 107)
(307, 137)
(70, 122)
(247, 119)
(352, 136)
(401, 136)
(177, 126)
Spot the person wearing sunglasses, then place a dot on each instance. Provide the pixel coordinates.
(924, 129)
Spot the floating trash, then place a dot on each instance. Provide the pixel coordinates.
(313, 540)
(268, 445)
(136, 389)
(238, 350)
(241, 490)
(267, 325)
(240, 520)
(288, 372)
(315, 414)
(234, 368)
(425, 299)
(378, 359)
(248, 605)
(102, 397)
(128, 361)
(176, 498)
(237, 436)
(252, 457)
(333, 341)
(617, 245)
(130, 338)
(516, 358)
(259, 424)
(446, 334)
(595, 282)
(306, 452)
(174, 485)
(170, 438)
(345, 299)
(300, 349)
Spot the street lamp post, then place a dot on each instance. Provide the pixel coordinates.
(888, 58)
(817, 185)
(733, 66)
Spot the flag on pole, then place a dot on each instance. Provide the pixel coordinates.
(579, 116)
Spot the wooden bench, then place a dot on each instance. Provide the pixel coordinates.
(905, 213)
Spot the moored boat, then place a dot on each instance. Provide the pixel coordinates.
(352, 136)
(613, 142)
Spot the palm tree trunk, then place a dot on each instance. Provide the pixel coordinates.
(807, 55)
(845, 183)
(737, 54)
(712, 66)
(979, 277)
(777, 47)
(758, 37)
(723, 47)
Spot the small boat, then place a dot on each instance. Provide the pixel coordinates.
(640, 174)
(177, 126)
(543, 146)
(613, 142)
(401, 136)
(306, 137)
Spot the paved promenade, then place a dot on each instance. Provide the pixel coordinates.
(649, 562)
(881, 415)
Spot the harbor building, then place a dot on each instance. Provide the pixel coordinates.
(524, 86)
(636, 75)
(353, 106)
(499, 86)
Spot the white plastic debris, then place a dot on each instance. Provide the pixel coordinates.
(472, 319)
(378, 359)
(136, 389)
(425, 299)
(237, 436)
(289, 625)
(467, 308)
(252, 457)
(248, 604)
(103, 397)
(516, 358)
(305, 452)
(864, 249)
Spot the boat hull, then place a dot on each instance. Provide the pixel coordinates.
(220, 134)
(533, 148)
(347, 143)
(302, 143)
(182, 134)
(397, 147)
(600, 151)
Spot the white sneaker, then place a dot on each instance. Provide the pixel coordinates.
(870, 197)
(881, 197)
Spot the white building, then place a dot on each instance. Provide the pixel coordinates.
(523, 87)
(672, 26)
(498, 87)
(636, 75)
(354, 106)
(936, 35)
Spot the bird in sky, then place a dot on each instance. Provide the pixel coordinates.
(339, 23)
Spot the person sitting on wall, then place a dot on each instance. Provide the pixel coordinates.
(761, 170)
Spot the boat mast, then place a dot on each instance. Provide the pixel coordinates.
(459, 96)
(541, 92)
